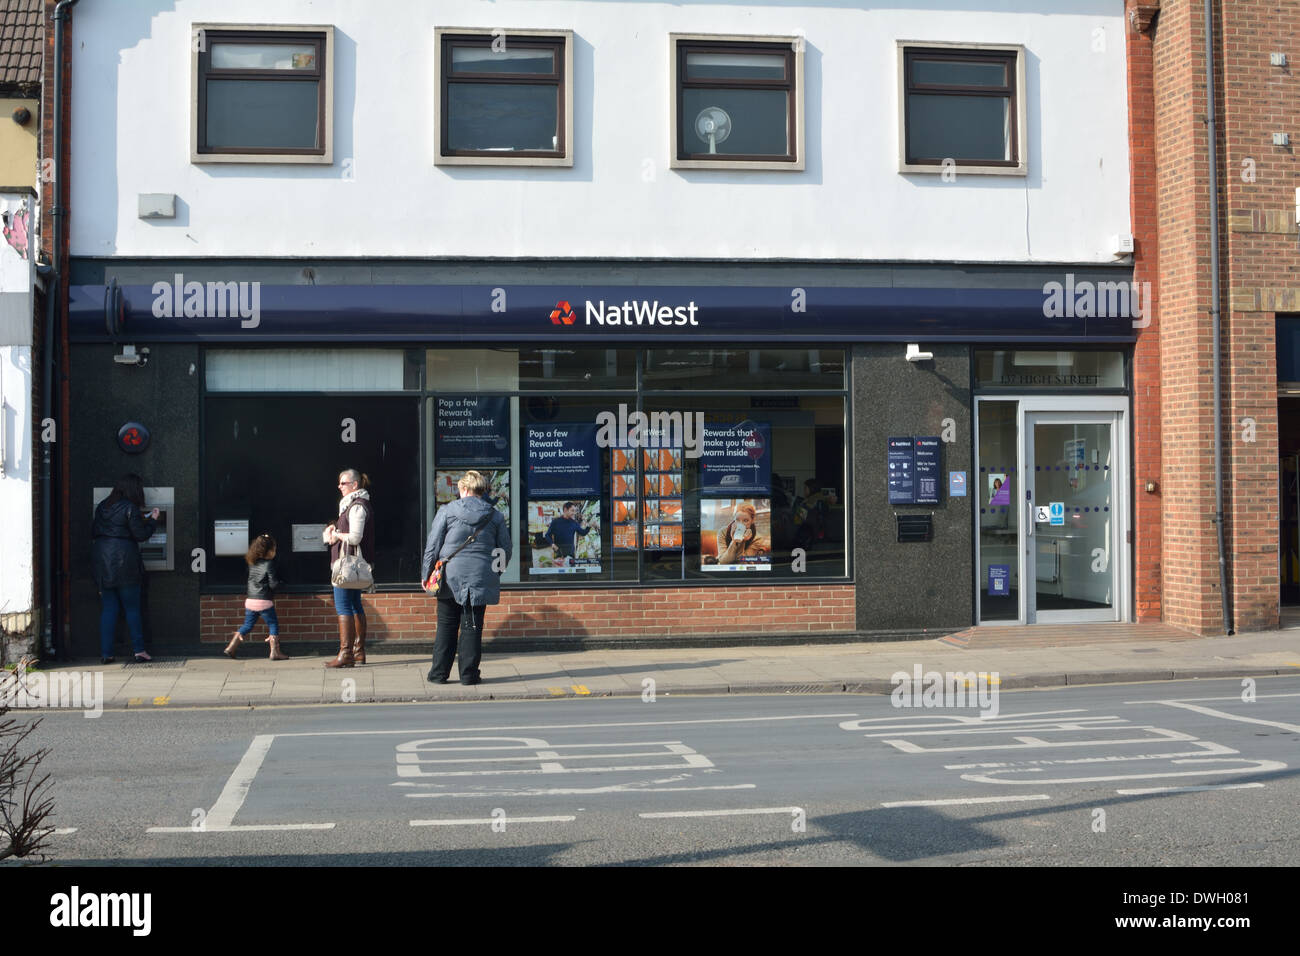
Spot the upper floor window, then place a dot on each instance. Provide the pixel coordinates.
(737, 102)
(505, 99)
(262, 94)
(963, 107)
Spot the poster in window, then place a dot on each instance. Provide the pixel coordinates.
(563, 462)
(564, 535)
(736, 534)
(445, 489)
(472, 431)
(736, 459)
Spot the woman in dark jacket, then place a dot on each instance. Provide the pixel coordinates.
(469, 575)
(121, 523)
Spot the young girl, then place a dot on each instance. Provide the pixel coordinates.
(262, 585)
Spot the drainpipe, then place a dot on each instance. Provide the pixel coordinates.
(53, 282)
(1214, 310)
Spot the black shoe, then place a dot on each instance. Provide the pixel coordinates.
(435, 679)
(471, 680)
(107, 660)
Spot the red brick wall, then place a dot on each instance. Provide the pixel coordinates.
(613, 614)
(1259, 276)
(1143, 212)
(1262, 276)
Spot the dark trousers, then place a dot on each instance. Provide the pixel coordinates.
(115, 600)
(446, 643)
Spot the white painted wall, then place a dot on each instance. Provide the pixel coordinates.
(131, 125)
(16, 304)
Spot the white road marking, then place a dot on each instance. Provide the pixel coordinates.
(220, 819)
(1219, 786)
(489, 821)
(717, 813)
(960, 801)
(1209, 700)
(1207, 747)
(929, 720)
(577, 791)
(1210, 712)
(412, 762)
(235, 791)
(243, 829)
(590, 726)
(1256, 766)
(1036, 743)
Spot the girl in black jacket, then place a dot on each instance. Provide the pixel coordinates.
(121, 523)
(263, 582)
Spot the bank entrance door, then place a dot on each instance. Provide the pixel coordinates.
(1053, 516)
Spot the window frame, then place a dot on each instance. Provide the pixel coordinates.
(1014, 56)
(321, 34)
(561, 40)
(679, 44)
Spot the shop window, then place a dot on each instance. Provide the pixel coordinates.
(311, 370)
(962, 108)
(275, 464)
(719, 368)
(737, 103)
(1020, 369)
(505, 98)
(263, 95)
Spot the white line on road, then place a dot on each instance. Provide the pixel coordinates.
(1207, 747)
(208, 828)
(1210, 712)
(1199, 700)
(576, 791)
(489, 821)
(1222, 786)
(235, 791)
(960, 801)
(598, 726)
(717, 813)
(1254, 766)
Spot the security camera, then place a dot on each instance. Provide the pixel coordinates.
(914, 353)
(130, 356)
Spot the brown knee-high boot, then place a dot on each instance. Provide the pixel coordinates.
(359, 645)
(346, 631)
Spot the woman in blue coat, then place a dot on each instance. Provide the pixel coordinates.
(121, 523)
(470, 579)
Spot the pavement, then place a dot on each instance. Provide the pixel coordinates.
(1024, 657)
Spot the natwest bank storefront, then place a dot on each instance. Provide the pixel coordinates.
(691, 460)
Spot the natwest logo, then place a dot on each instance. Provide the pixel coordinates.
(642, 312)
(562, 314)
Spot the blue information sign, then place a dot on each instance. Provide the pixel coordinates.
(927, 470)
(902, 471)
(472, 430)
(956, 484)
(563, 462)
(999, 580)
(736, 460)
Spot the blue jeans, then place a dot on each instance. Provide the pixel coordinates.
(250, 618)
(113, 600)
(347, 602)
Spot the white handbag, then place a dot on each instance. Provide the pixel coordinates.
(352, 571)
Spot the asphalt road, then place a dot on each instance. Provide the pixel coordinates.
(1167, 773)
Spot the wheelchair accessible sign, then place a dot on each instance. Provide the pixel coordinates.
(1053, 514)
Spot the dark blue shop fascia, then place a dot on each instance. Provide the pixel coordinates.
(598, 315)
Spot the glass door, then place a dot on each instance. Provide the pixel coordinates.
(1072, 516)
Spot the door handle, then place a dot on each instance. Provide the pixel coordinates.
(1029, 513)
